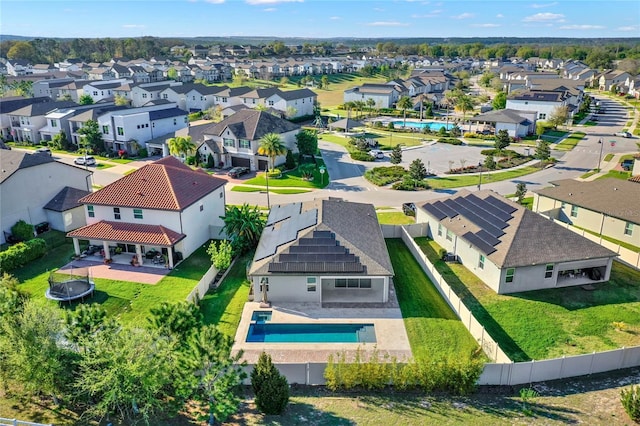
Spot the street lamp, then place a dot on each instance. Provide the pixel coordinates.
(266, 175)
(322, 170)
(480, 181)
(600, 157)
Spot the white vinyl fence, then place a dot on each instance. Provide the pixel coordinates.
(14, 422)
(203, 285)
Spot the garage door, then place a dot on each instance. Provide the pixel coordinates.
(263, 164)
(240, 162)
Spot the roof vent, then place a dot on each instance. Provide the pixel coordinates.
(615, 189)
(570, 194)
(140, 193)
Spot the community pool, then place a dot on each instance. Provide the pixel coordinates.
(432, 125)
(311, 333)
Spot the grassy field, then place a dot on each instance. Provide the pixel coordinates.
(338, 83)
(433, 328)
(550, 323)
(457, 181)
(394, 218)
(570, 142)
(242, 188)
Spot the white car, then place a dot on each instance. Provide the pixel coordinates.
(377, 154)
(622, 134)
(85, 161)
(44, 150)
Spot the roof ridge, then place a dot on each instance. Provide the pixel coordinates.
(171, 189)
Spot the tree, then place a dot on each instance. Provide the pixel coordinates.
(541, 127)
(291, 111)
(284, 81)
(543, 151)
(272, 146)
(243, 226)
(490, 162)
(324, 81)
(405, 103)
(210, 163)
(289, 161)
(177, 320)
(464, 103)
(84, 322)
(221, 253)
(85, 100)
(559, 116)
(270, 387)
(22, 50)
(91, 138)
(396, 155)
(485, 78)
(172, 74)
(60, 141)
(307, 142)
(181, 146)
(417, 171)
(371, 103)
(121, 100)
(499, 101)
(521, 191)
(503, 140)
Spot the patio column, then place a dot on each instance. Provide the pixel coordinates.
(170, 253)
(139, 254)
(105, 247)
(76, 246)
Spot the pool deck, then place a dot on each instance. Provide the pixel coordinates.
(391, 335)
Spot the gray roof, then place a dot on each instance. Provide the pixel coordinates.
(349, 249)
(296, 94)
(166, 113)
(346, 124)
(613, 197)
(66, 199)
(252, 125)
(540, 96)
(14, 103)
(11, 161)
(42, 108)
(501, 116)
(507, 233)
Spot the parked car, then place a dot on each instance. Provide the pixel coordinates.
(377, 154)
(44, 150)
(622, 134)
(236, 172)
(85, 161)
(409, 209)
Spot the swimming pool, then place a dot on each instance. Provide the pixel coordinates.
(311, 333)
(432, 125)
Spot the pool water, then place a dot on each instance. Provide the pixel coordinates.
(261, 316)
(311, 333)
(432, 125)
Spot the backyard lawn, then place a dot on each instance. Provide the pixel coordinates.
(434, 330)
(394, 218)
(551, 323)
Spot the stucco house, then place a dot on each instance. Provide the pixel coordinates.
(31, 182)
(384, 95)
(510, 248)
(312, 252)
(516, 123)
(163, 207)
(608, 207)
(544, 103)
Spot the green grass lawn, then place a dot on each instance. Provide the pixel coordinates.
(589, 173)
(394, 218)
(293, 179)
(570, 142)
(102, 166)
(616, 174)
(114, 159)
(242, 188)
(608, 157)
(433, 328)
(612, 240)
(457, 181)
(550, 323)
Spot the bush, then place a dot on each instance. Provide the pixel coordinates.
(195, 116)
(22, 253)
(210, 162)
(221, 253)
(22, 231)
(408, 184)
(143, 153)
(450, 141)
(191, 160)
(630, 399)
(289, 162)
(274, 173)
(381, 176)
(503, 153)
(307, 170)
(442, 253)
(270, 387)
(362, 156)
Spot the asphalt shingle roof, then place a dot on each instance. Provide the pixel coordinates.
(11, 161)
(68, 198)
(252, 125)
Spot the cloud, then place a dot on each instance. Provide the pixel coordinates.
(581, 27)
(214, 1)
(260, 2)
(335, 18)
(269, 9)
(486, 25)
(387, 24)
(499, 15)
(432, 14)
(378, 9)
(628, 28)
(545, 17)
(544, 5)
(463, 16)
(133, 26)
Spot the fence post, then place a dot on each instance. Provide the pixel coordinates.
(533, 361)
(593, 355)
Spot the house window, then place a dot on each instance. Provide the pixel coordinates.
(449, 235)
(352, 283)
(542, 116)
(439, 230)
(229, 142)
(165, 96)
(574, 211)
(481, 262)
(175, 121)
(511, 272)
(105, 130)
(144, 96)
(548, 272)
(245, 143)
(120, 131)
(54, 123)
(116, 213)
(311, 283)
(90, 211)
(628, 228)
(137, 213)
(270, 103)
(341, 283)
(201, 207)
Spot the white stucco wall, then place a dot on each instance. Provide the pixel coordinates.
(287, 289)
(196, 224)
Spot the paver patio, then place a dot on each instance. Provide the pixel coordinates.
(119, 271)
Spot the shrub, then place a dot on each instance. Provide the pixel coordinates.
(390, 125)
(143, 153)
(274, 173)
(408, 184)
(22, 230)
(290, 161)
(503, 153)
(210, 162)
(385, 175)
(450, 141)
(630, 399)
(270, 387)
(221, 254)
(442, 253)
(362, 156)
(307, 170)
(22, 253)
(191, 160)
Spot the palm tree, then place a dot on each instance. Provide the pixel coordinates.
(271, 146)
(370, 103)
(465, 103)
(243, 226)
(181, 145)
(404, 104)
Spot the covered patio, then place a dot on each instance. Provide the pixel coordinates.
(129, 243)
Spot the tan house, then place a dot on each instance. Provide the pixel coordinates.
(608, 207)
(510, 248)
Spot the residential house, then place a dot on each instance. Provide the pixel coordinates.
(51, 87)
(78, 120)
(510, 248)
(609, 80)
(384, 95)
(10, 104)
(517, 123)
(58, 120)
(18, 67)
(146, 92)
(238, 138)
(41, 177)
(544, 103)
(26, 122)
(64, 211)
(99, 90)
(192, 97)
(607, 207)
(293, 103)
(163, 207)
(312, 252)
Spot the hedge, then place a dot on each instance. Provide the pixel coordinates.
(450, 141)
(22, 253)
(381, 176)
(362, 156)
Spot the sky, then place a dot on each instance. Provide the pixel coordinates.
(320, 18)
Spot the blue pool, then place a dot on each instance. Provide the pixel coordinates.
(261, 316)
(432, 125)
(311, 333)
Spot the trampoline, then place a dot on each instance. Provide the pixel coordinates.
(71, 285)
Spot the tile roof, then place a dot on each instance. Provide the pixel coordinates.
(252, 124)
(525, 238)
(124, 232)
(613, 197)
(166, 184)
(68, 198)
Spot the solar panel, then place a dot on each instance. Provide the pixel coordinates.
(317, 241)
(481, 245)
(490, 218)
(474, 218)
(316, 257)
(500, 204)
(293, 267)
(444, 208)
(317, 249)
(434, 211)
(323, 234)
(488, 238)
(488, 207)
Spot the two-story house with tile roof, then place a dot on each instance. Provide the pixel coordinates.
(163, 207)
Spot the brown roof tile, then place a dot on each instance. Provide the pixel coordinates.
(124, 232)
(166, 184)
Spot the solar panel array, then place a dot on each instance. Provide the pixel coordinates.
(319, 253)
(282, 229)
(490, 214)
